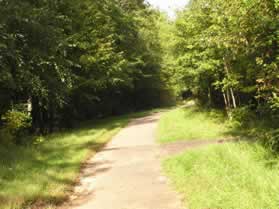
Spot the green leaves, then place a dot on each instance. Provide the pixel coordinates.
(229, 45)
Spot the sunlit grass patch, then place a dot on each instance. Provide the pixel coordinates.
(191, 123)
(237, 176)
(45, 173)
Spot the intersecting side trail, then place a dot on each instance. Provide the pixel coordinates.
(126, 174)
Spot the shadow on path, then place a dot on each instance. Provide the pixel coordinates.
(182, 146)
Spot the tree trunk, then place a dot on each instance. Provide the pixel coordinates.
(233, 98)
(36, 115)
(209, 96)
(228, 98)
(225, 100)
(230, 92)
(51, 118)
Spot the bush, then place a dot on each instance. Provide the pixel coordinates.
(16, 125)
(242, 117)
(271, 140)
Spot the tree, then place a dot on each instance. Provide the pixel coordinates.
(78, 60)
(228, 50)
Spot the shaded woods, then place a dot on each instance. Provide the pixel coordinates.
(67, 61)
(226, 55)
(63, 62)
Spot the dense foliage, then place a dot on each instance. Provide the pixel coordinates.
(227, 53)
(77, 60)
(66, 61)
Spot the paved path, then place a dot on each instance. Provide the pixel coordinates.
(127, 174)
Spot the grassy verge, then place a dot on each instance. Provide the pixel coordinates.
(234, 175)
(44, 173)
(191, 123)
(237, 176)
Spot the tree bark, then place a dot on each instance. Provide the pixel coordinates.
(233, 98)
(225, 100)
(230, 92)
(209, 96)
(228, 98)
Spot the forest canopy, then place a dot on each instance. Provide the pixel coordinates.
(73, 73)
(68, 61)
(73, 60)
(227, 53)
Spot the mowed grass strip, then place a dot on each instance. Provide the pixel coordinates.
(44, 174)
(238, 176)
(191, 123)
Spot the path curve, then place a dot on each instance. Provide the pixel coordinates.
(127, 174)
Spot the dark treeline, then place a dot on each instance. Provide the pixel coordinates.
(67, 61)
(227, 54)
(75, 60)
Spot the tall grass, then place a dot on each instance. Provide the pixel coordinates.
(191, 123)
(43, 174)
(238, 176)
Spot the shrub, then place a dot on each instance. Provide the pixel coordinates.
(16, 125)
(271, 140)
(242, 117)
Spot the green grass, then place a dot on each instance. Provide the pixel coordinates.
(44, 174)
(191, 123)
(229, 176)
